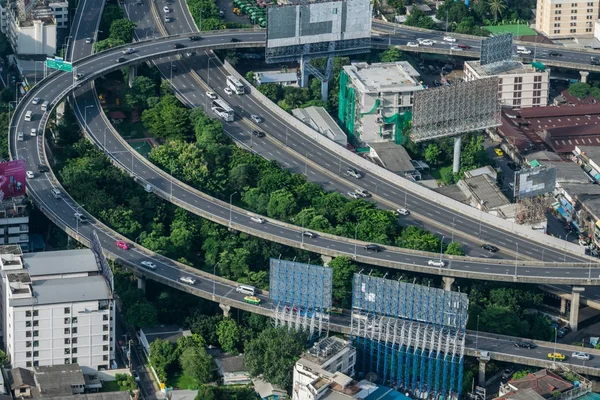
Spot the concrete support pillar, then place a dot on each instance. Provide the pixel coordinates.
(326, 260)
(563, 305)
(225, 309)
(60, 112)
(574, 314)
(448, 281)
(456, 164)
(132, 73)
(324, 90)
(142, 283)
(303, 72)
(584, 76)
(481, 378)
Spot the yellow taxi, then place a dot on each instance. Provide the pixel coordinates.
(556, 356)
(499, 152)
(252, 300)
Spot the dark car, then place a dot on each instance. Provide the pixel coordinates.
(489, 247)
(43, 168)
(374, 247)
(195, 38)
(525, 123)
(594, 61)
(178, 46)
(119, 60)
(555, 54)
(309, 234)
(258, 134)
(377, 39)
(174, 67)
(525, 345)
(463, 46)
(507, 373)
(234, 40)
(562, 332)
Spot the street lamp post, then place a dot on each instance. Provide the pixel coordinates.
(214, 280)
(231, 208)
(85, 116)
(452, 240)
(66, 44)
(477, 334)
(516, 260)
(17, 91)
(355, 239)
(171, 67)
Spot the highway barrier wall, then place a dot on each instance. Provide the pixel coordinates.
(405, 184)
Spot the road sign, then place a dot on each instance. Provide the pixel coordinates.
(59, 64)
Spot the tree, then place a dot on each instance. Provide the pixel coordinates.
(579, 89)
(122, 29)
(112, 12)
(142, 89)
(432, 153)
(595, 92)
(343, 272)
(126, 382)
(162, 356)
(194, 340)
(521, 374)
(3, 357)
(392, 54)
(273, 354)
(228, 333)
(497, 8)
(250, 77)
(282, 205)
(122, 220)
(272, 90)
(168, 119)
(455, 249)
(413, 237)
(107, 44)
(197, 364)
(419, 19)
(206, 392)
(205, 326)
(141, 314)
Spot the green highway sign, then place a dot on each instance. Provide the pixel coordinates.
(59, 64)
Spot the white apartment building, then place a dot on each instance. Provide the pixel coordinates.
(519, 85)
(566, 18)
(382, 91)
(60, 11)
(56, 309)
(14, 222)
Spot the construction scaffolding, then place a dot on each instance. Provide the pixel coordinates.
(347, 108)
(301, 295)
(103, 266)
(409, 336)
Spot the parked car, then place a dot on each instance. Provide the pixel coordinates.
(374, 247)
(187, 279)
(122, 244)
(353, 173)
(507, 373)
(562, 332)
(436, 263)
(168, 19)
(166, 9)
(557, 356)
(148, 264)
(525, 345)
(489, 247)
(499, 152)
(580, 355)
(258, 220)
(402, 211)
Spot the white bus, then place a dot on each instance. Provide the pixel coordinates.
(235, 85)
(223, 110)
(28, 115)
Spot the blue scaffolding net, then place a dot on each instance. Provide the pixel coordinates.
(410, 336)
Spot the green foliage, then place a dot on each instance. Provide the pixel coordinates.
(197, 364)
(343, 271)
(140, 314)
(205, 14)
(392, 54)
(497, 8)
(399, 6)
(210, 392)
(4, 136)
(207, 392)
(106, 44)
(520, 374)
(595, 92)
(413, 237)
(126, 382)
(455, 249)
(142, 89)
(112, 12)
(250, 77)
(579, 89)
(168, 119)
(3, 358)
(193, 340)
(122, 29)
(273, 354)
(229, 334)
(162, 355)
(273, 91)
(432, 153)
(419, 19)
(206, 327)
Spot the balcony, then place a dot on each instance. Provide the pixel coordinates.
(15, 230)
(23, 238)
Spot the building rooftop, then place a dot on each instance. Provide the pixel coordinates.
(324, 349)
(21, 377)
(542, 382)
(275, 77)
(524, 394)
(484, 191)
(394, 157)
(56, 380)
(502, 68)
(183, 394)
(165, 332)
(91, 396)
(231, 364)
(60, 262)
(383, 77)
(580, 189)
(319, 118)
(570, 172)
(591, 152)
(72, 290)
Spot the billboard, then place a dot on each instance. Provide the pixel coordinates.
(536, 181)
(12, 179)
(496, 49)
(452, 110)
(300, 284)
(318, 29)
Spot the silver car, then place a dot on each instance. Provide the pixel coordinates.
(148, 264)
(436, 263)
(354, 195)
(258, 220)
(580, 355)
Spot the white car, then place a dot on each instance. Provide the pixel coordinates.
(211, 95)
(80, 217)
(88, 40)
(33, 132)
(354, 195)
(256, 118)
(456, 48)
(228, 91)
(148, 264)
(449, 39)
(436, 263)
(166, 9)
(258, 220)
(188, 280)
(29, 174)
(412, 44)
(128, 50)
(579, 355)
(36, 100)
(402, 211)
(353, 173)
(426, 42)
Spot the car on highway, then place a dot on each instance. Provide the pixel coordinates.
(436, 263)
(258, 220)
(173, 67)
(335, 311)
(258, 134)
(456, 48)
(79, 76)
(29, 174)
(507, 373)
(557, 356)
(412, 44)
(166, 9)
(363, 192)
(594, 60)
(122, 244)
(376, 39)
(354, 195)
(80, 217)
(425, 42)
(402, 211)
(449, 39)
(374, 247)
(20, 136)
(353, 173)
(43, 168)
(36, 100)
(555, 54)
(463, 46)
(525, 345)
(188, 279)
(33, 132)
(252, 300)
(168, 19)
(88, 40)
(120, 60)
(580, 355)
(195, 38)
(499, 152)
(310, 234)
(228, 91)
(489, 247)
(234, 40)
(148, 264)
(129, 50)
(178, 46)
(211, 95)
(256, 118)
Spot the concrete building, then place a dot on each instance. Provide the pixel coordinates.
(56, 309)
(319, 119)
(394, 158)
(170, 333)
(232, 369)
(14, 222)
(381, 93)
(566, 18)
(544, 383)
(519, 85)
(280, 78)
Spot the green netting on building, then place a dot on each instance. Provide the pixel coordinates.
(400, 121)
(372, 110)
(346, 107)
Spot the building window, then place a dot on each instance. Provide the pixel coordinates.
(537, 78)
(74, 350)
(28, 354)
(105, 348)
(519, 79)
(104, 328)
(537, 93)
(516, 102)
(74, 340)
(36, 343)
(557, 31)
(67, 310)
(573, 11)
(105, 357)
(36, 363)
(67, 320)
(74, 320)
(28, 364)
(36, 353)
(557, 25)
(105, 338)
(105, 317)
(588, 30)
(28, 334)
(36, 323)
(573, 24)
(74, 330)
(36, 333)
(35, 313)
(67, 361)
(557, 19)
(67, 351)
(67, 331)
(574, 18)
(518, 87)
(28, 343)
(74, 360)
(572, 30)
(67, 341)
(28, 313)
(557, 12)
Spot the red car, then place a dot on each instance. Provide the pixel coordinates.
(464, 46)
(122, 244)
